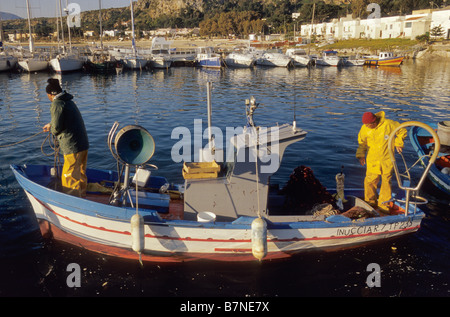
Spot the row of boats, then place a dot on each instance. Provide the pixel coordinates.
(298, 57)
(162, 56)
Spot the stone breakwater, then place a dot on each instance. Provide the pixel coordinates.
(419, 51)
(435, 51)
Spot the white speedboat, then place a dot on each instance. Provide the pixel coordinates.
(299, 57)
(274, 59)
(329, 58)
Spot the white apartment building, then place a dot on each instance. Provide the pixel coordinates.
(409, 26)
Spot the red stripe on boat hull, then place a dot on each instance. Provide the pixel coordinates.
(50, 231)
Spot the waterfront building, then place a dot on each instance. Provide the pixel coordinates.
(408, 26)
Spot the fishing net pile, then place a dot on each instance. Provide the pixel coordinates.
(304, 194)
(303, 191)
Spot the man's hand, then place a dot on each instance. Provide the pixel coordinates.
(399, 149)
(362, 160)
(46, 127)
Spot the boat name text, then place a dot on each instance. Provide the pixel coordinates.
(374, 229)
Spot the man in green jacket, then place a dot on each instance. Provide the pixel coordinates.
(68, 126)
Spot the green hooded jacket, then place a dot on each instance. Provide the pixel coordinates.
(67, 124)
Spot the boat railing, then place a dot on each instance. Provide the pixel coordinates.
(408, 188)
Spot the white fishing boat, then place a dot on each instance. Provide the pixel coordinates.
(299, 57)
(329, 58)
(224, 212)
(160, 53)
(384, 59)
(274, 58)
(240, 59)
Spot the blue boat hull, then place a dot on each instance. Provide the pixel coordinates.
(210, 62)
(422, 143)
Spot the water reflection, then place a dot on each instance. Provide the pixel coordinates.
(327, 102)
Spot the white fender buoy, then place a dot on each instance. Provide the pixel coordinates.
(259, 238)
(137, 234)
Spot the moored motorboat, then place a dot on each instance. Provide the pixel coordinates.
(224, 212)
(239, 59)
(299, 57)
(66, 63)
(33, 64)
(160, 53)
(354, 61)
(101, 62)
(206, 57)
(329, 58)
(274, 58)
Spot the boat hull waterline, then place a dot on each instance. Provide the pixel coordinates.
(93, 226)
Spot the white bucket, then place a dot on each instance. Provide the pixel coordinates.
(443, 132)
(206, 216)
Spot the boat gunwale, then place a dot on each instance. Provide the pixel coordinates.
(434, 174)
(91, 209)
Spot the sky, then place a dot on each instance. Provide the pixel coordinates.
(47, 8)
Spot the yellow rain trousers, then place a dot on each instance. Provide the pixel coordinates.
(74, 179)
(373, 145)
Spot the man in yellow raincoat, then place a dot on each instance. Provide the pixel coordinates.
(373, 151)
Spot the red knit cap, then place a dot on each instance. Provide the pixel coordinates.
(368, 118)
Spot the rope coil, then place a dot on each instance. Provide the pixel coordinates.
(52, 142)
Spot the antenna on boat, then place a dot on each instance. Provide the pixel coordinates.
(294, 123)
(210, 138)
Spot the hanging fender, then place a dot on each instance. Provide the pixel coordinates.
(259, 238)
(137, 233)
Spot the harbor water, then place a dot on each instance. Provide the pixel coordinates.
(326, 102)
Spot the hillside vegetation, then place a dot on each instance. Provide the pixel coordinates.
(221, 18)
